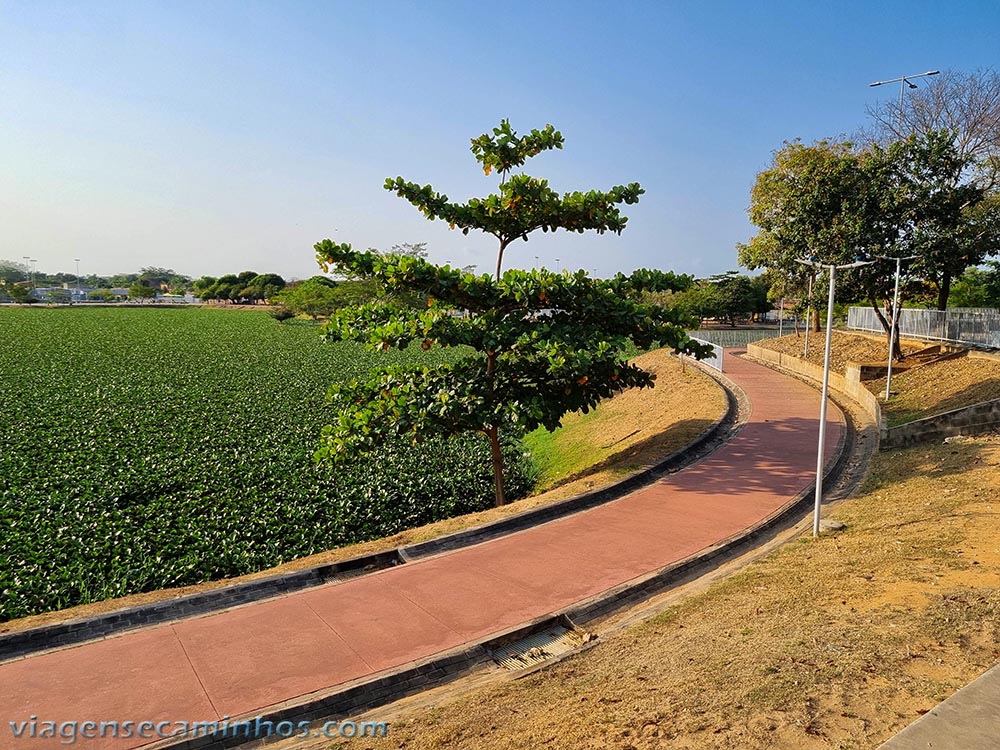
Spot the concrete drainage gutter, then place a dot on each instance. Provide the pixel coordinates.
(22, 643)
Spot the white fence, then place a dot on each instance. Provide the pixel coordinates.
(974, 327)
(715, 361)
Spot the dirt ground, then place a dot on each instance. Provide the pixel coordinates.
(670, 416)
(832, 643)
(844, 347)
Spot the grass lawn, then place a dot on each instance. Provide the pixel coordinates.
(938, 387)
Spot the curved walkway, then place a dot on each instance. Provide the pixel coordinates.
(241, 660)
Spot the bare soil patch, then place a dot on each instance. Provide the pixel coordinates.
(844, 347)
(832, 643)
(668, 417)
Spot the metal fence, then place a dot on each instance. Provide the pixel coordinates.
(736, 338)
(715, 361)
(971, 326)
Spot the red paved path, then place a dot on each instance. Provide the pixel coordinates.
(241, 660)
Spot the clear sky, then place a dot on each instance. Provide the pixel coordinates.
(215, 137)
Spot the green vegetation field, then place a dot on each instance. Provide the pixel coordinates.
(142, 449)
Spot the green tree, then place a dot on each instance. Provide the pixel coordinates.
(315, 297)
(262, 287)
(835, 203)
(977, 287)
(20, 293)
(156, 277)
(141, 292)
(523, 204)
(12, 272)
(734, 296)
(800, 205)
(539, 344)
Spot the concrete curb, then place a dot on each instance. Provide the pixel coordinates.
(23, 643)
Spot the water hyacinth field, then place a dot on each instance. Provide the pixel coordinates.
(149, 448)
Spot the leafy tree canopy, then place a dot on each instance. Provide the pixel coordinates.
(540, 344)
(524, 203)
(835, 203)
(544, 344)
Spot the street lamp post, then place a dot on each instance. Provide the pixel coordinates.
(77, 278)
(904, 81)
(809, 302)
(826, 375)
(895, 317)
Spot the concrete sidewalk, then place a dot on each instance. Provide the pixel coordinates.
(968, 720)
(245, 659)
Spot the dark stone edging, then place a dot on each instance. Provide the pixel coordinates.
(21, 643)
(368, 693)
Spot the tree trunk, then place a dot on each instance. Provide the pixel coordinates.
(494, 435)
(812, 319)
(897, 350)
(944, 291)
(503, 246)
(493, 432)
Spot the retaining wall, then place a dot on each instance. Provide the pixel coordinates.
(970, 420)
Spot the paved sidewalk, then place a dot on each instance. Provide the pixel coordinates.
(968, 720)
(241, 660)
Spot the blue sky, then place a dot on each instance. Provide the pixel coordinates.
(214, 137)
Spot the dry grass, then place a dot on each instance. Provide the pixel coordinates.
(626, 433)
(669, 416)
(833, 643)
(939, 387)
(844, 347)
(925, 390)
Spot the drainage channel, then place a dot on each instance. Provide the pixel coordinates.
(538, 648)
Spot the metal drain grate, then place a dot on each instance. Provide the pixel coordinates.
(540, 647)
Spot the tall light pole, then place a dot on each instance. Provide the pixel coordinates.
(904, 81)
(809, 302)
(31, 276)
(77, 277)
(826, 375)
(895, 317)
